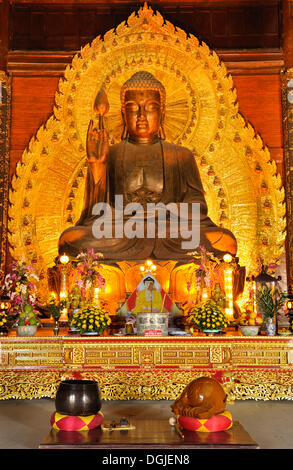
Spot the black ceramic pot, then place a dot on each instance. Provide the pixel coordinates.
(78, 398)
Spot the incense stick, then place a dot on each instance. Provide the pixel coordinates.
(177, 427)
(163, 303)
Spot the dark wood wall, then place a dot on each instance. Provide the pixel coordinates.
(227, 25)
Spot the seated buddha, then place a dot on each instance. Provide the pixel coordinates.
(142, 168)
(148, 299)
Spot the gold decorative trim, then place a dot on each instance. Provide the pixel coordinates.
(161, 385)
(5, 111)
(147, 385)
(287, 112)
(28, 384)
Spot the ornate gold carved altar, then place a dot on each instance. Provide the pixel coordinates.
(143, 368)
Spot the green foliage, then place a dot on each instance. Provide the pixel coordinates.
(270, 301)
(55, 309)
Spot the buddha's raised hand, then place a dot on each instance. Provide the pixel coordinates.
(97, 144)
(97, 153)
(97, 137)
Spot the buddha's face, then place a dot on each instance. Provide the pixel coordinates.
(142, 115)
(149, 285)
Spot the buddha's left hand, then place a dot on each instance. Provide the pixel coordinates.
(97, 144)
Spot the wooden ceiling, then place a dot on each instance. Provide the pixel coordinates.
(69, 25)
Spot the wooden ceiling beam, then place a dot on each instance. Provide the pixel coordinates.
(249, 62)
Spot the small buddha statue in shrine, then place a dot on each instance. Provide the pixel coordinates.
(148, 299)
(219, 297)
(143, 168)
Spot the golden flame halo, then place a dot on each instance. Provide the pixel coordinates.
(240, 180)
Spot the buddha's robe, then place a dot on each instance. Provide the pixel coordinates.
(158, 172)
(144, 302)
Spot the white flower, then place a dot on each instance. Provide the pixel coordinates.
(23, 289)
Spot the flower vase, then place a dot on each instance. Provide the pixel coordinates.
(249, 330)
(56, 328)
(271, 328)
(212, 332)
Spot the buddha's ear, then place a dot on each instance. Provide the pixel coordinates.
(124, 134)
(162, 134)
(123, 116)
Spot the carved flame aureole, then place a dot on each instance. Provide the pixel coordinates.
(243, 190)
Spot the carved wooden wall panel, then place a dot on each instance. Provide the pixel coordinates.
(260, 103)
(69, 26)
(287, 101)
(5, 104)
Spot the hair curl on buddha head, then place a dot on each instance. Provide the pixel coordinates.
(143, 80)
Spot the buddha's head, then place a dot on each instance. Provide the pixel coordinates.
(143, 108)
(149, 283)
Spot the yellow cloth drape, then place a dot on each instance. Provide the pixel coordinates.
(144, 305)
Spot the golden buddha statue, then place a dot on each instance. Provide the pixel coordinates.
(143, 168)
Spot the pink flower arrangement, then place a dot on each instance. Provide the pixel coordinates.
(88, 268)
(208, 268)
(20, 285)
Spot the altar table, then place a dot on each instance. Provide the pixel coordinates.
(146, 368)
(150, 434)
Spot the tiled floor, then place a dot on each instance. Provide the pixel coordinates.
(25, 423)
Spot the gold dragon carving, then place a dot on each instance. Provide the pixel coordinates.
(154, 385)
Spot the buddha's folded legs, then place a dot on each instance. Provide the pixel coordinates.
(225, 243)
(78, 239)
